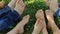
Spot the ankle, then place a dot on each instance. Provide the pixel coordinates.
(12, 4)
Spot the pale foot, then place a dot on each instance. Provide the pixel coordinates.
(49, 14)
(20, 6)
(12, 4)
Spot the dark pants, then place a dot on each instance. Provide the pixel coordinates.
(57, 13)
(8, 17)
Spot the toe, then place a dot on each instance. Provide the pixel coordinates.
(39, 13)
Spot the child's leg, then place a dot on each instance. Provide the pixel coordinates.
(19, 6)
(12, 4)
(20, 26)
(51, 22)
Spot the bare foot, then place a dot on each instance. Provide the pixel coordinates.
(20, 6)
(51, 22)
(20, 26)
(40, 15)
(12, 4)
(38, 27)
(49, 14)
(53, 5)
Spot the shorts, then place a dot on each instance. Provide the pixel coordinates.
(57, 13)
(8, 17)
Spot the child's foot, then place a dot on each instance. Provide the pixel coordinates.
(12, 4)
(40, 19)
(20, 6)
(40, 15)
(49, 15)
(20, 26)
(51, 22)
(38, 26)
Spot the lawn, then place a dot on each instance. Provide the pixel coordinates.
(31, 8)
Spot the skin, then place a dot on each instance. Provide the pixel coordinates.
(40, 24)
(20, 26)
(38, 27)
(2, 5)
(20, 6)
(12, 4)
(51, 22)
(52, 4)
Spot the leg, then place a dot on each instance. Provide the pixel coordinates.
(12, 4)
(19, 6)
(20, 26)
(40, 15)
(51, 22)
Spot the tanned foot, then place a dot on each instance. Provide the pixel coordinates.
(19, 29)
(21, 24)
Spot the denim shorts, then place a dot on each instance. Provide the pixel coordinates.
(57, 13)
(8, 17)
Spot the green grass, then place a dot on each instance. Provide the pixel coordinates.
(31, 8)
